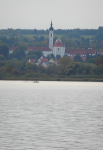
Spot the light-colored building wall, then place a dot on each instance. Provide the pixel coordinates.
(59, 51)
(10, 51)
(46, 53)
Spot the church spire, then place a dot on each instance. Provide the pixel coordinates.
(51, 23)
(51, 28)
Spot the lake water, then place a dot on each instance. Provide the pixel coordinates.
(51, 115)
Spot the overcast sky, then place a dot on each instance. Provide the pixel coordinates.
(65, 14)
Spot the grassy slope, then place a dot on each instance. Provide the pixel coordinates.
(58, 36)
(55, 35)
(88, 36)
(39, 35)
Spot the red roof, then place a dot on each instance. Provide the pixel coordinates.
(32, 60)
(44, 59)
(33, 48)
(12, 48)
(39, 48)
(80, 51)
(100, 52)
(72, 57)
(58, 43)
(83, 58)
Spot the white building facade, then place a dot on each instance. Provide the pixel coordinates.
(46, 53)
(58, 48)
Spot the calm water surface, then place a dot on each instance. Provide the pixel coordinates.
(51, 115)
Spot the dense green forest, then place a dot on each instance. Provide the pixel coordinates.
(16, 65)
(76, 38)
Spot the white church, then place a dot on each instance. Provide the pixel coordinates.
(58, 48)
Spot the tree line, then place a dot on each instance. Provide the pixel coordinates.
(66, 67)
(18, 32)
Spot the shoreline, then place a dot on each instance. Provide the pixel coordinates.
(52, 79)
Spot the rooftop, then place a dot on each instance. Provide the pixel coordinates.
(32, 60)
(80, 51)
(44, 60)
(39, 48)
(58, 43)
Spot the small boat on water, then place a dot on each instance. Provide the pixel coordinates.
(36, 81)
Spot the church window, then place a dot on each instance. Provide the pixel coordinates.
(58, 48)
(51, 35)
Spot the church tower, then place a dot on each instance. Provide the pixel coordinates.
(51, 37)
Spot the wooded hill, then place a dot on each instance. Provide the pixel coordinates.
(72, 33)
(76, 38)
(16, 65)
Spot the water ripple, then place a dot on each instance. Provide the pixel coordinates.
(51, 116)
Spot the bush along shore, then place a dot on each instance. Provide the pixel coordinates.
(65, 70)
